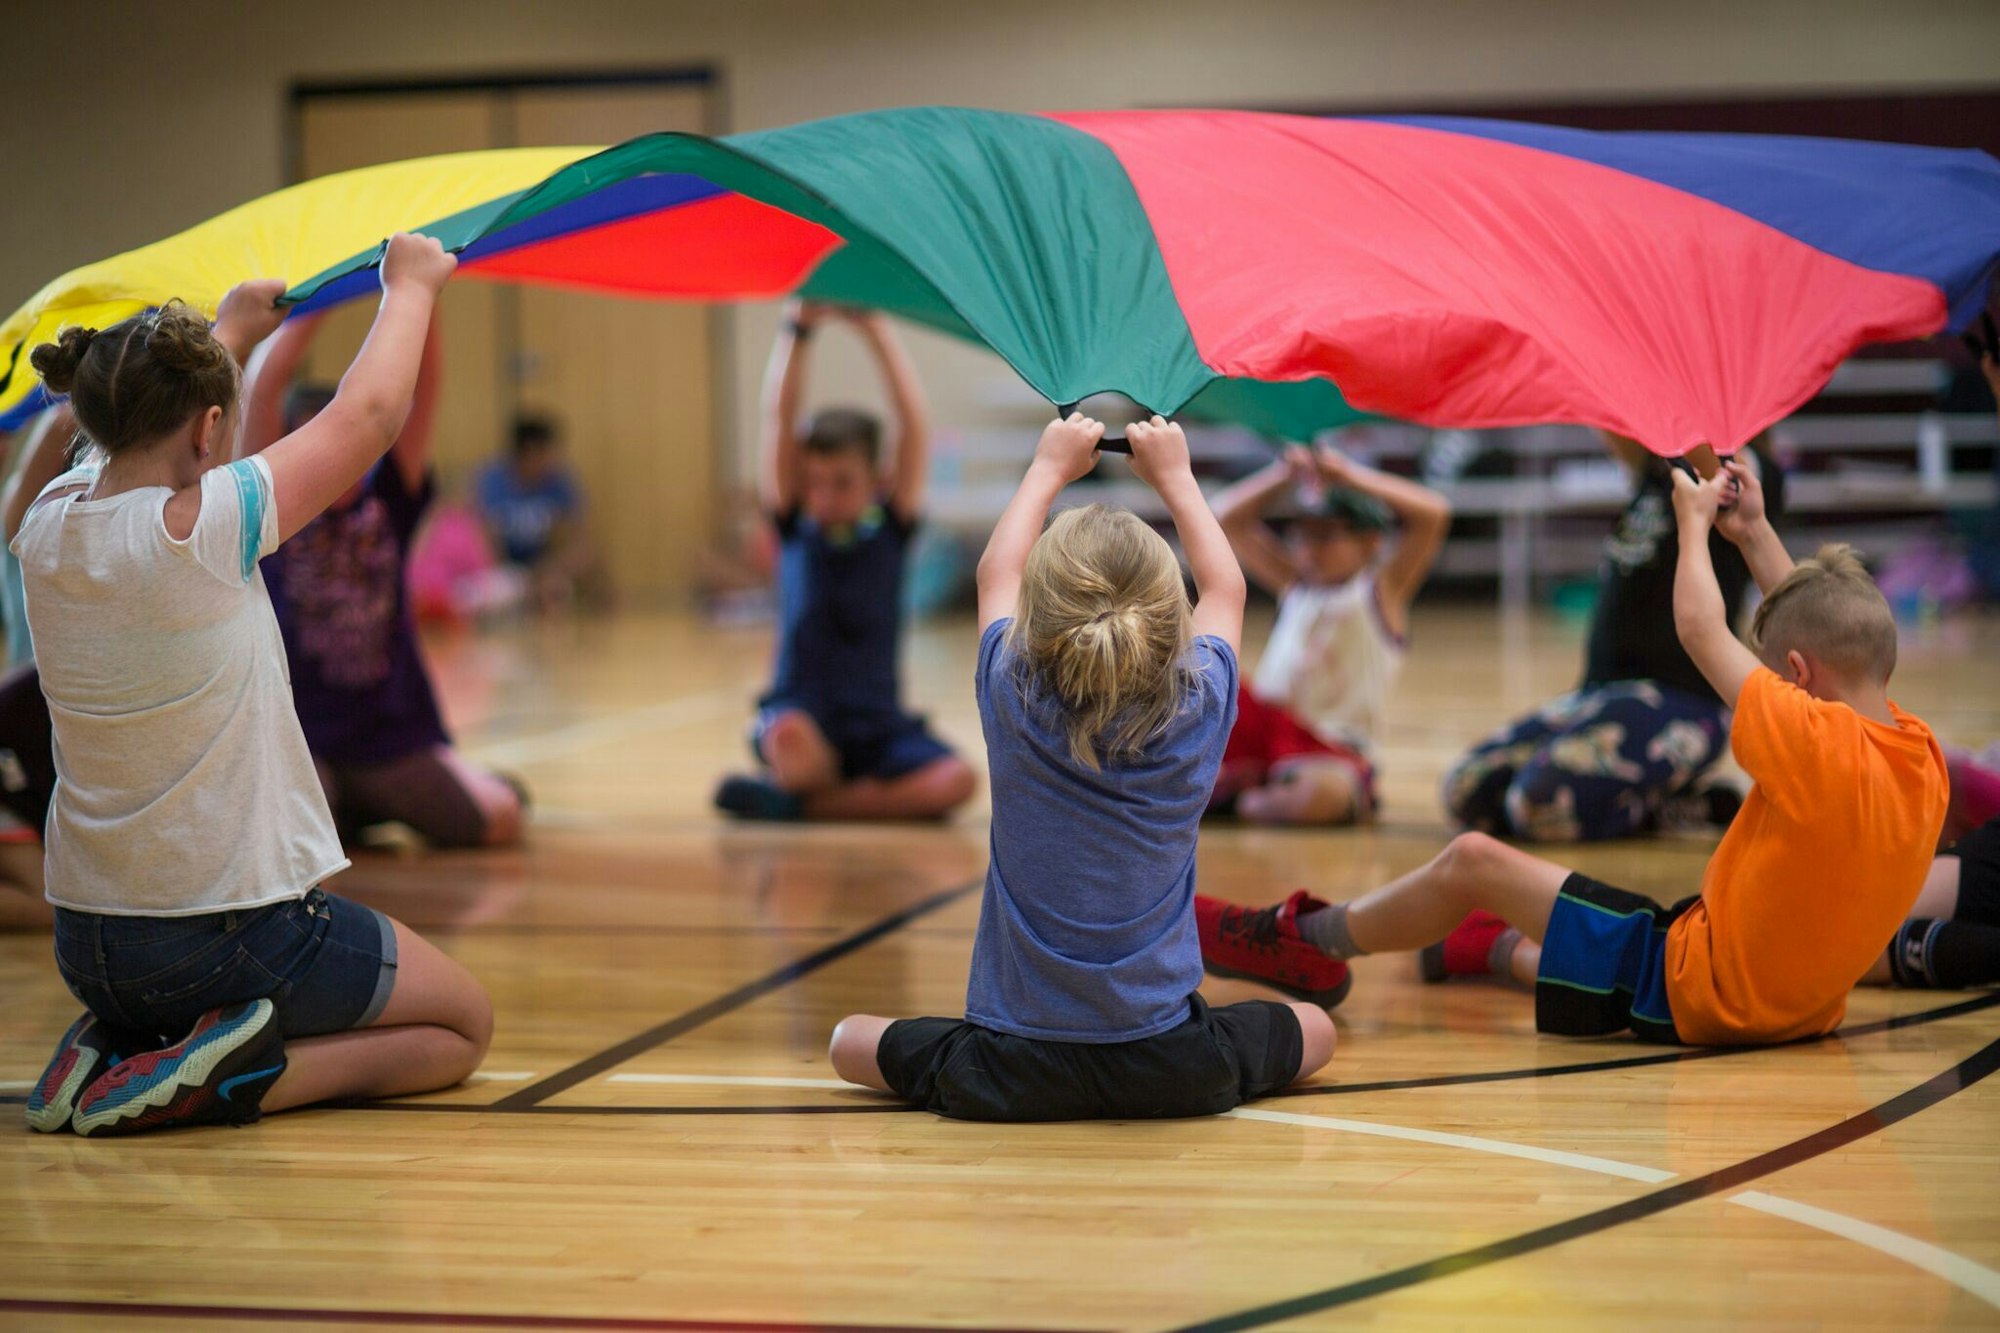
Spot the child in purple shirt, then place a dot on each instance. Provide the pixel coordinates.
(341, 595)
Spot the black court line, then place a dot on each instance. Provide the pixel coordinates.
(1922, 1016)
(584, 1070)
(1898, 1108)
(1917, 1019)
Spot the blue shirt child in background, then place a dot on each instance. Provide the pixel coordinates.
(830, 733)
(532, 508)
(1106, 702)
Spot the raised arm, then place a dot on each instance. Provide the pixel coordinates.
(1239, 508)
(1701, 617)
(1746, 524)
(411, 452)
(248, 314)
(312, 466)
(43, 457)
(1068, 450)
(1160, 457)
(784, 390)
(910, 463)
(1425, 517)
(269, 378)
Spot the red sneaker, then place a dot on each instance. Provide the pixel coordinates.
(1264, 944)
(1464, 952)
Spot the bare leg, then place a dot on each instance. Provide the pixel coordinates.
(1938, 901)
(22, 906)
(852, 1050)
(432, 1034)
(499, 804)
(932, 792)
(1473, 873)
(800, 757)
(1526, 963)
(1310, 791)
(1317, 1029)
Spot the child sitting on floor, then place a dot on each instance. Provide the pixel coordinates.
(831, 732)
(341, 591)
(1301, 750)
(1106, 702)
(1824, 861)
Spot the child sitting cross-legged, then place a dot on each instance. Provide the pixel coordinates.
(1106, 701)
(1816, 873)
(1302, 748)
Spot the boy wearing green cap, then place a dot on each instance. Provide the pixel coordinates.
(1301, 750)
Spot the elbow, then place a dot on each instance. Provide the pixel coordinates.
(1226, 584)
(1697, 632)
(376, 419)
(989, 571)
(1431, 515)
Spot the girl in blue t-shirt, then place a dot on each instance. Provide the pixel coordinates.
(1105, 700)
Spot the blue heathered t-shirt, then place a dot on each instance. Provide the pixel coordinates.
(840, 612)
(1086, 932)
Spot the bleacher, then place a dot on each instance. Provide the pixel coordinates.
(1871, 460)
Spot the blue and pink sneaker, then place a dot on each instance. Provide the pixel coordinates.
(217, 1074)
(83, 1053)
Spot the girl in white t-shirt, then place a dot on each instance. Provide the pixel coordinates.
(1302, 751)
(188, 835)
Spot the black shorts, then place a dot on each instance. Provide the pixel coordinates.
(1604, 964)
(1218, 1059)
(1978, 854)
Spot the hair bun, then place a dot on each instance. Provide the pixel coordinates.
(182, 340)
(56, 362)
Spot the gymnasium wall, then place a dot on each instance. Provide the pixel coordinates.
(128, 120)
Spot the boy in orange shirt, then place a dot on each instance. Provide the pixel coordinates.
(1818, 869)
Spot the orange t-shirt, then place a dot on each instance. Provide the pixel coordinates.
(1821, 865)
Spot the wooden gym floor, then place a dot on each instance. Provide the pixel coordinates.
(657, 1141)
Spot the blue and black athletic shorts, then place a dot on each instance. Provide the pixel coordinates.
(1604, 964)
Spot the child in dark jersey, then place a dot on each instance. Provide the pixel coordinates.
(1625, 752)
(831, 733)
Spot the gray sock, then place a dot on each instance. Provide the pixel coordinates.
(1500, 958)
(1326, 930)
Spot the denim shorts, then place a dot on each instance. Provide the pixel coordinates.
(327, 964)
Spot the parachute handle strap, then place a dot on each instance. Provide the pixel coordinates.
(1110, 444)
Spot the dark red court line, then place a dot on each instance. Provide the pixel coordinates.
(1898, 1108)
(278, 1314)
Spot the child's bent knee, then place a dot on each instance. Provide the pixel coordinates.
(852, 1049)
(1317, 1036)
(954, 782)
(1467, 853)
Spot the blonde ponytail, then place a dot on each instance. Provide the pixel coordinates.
(1102, 626)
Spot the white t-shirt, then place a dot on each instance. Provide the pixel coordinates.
(183, 783)
(1331, 660)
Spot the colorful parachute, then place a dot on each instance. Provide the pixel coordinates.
(1280, 270)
